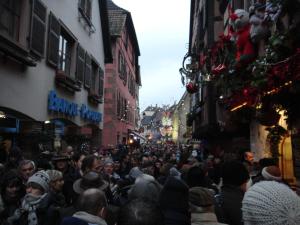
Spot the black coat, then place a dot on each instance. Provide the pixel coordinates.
(228, 205)
(47, 214)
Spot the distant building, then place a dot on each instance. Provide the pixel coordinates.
(122, 83)
(182, 130)
(157, 124)
(52, 66)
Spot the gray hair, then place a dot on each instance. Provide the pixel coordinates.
(25, 162)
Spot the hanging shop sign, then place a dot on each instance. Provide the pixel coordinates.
(71, 109)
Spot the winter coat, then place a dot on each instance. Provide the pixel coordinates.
(83, 218)
(228, 205)
(46, 215)
(204, 218)
(70, 176)
(175, 217)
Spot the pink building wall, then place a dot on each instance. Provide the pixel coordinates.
(115, 128)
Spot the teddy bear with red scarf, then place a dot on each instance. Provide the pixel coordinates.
(239, 20)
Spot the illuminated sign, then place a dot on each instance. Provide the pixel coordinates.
(71, 109)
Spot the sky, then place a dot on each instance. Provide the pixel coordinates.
(162, 29)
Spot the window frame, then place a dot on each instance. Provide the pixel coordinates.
(64, 54)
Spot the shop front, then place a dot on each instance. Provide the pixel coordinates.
(66, 123)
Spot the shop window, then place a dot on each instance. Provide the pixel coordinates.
(10, 11)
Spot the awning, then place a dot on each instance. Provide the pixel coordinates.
(138, 135)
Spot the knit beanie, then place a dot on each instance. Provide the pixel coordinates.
(202, 197)
(271, 203)
(54, 175)
(234, 173)
(41, 178)
(271, 173)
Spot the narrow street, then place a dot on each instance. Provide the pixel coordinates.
(163, 112)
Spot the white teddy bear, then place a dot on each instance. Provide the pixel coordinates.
(259, 29)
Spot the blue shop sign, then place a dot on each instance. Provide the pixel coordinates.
(67, 108)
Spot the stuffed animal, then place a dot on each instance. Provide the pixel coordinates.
(273, 10)
(259, 28)
(245, 48)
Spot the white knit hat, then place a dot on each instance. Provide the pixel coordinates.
(54, 175)
(271, 203)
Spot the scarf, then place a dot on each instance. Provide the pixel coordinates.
(89, 218)
(29, 204)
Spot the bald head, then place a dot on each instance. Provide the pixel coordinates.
(92, 201)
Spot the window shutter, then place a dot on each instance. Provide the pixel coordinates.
(82, 5)
(88, 10)
(125, 75)
(120, 64)
(88, 71)
(38, 28)
(53, 40)
(80, 63)
(118, 104)
(101, 82)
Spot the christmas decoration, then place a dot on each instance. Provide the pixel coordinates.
(192, 87)
(259, 27)
(274, 137)
(245, 49)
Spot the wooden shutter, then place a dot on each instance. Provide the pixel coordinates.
(125, 74)
(120, 63)
(87, 71)
(82, 5)
(80, 63)
(118, 103)
(38, 28)
(53, 40)
(101, 82)
(88, 9)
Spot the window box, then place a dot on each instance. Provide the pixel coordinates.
(65, 81)
(94, 98)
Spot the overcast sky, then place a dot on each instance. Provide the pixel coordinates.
(162, 29)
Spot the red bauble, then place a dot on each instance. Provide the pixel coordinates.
(246, 92)
(191, 88)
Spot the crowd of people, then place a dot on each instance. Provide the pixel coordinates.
(146, 185)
